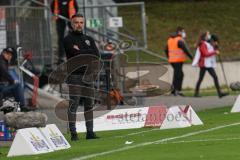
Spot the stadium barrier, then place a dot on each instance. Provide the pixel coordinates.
(153, 116)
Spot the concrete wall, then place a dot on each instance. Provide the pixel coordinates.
(191, 74)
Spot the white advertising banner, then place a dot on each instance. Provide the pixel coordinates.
(175, 119)
(190, 115)
(54, 137)
(29, 141)
(152, 116)
(118, 119)
(236, 106)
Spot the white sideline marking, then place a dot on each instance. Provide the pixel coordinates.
(155, 142)
(201, 140)
(135, 133)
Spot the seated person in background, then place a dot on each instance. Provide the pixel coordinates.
(9, 86)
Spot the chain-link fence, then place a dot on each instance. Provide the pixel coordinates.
(28, 27)
(116, 22)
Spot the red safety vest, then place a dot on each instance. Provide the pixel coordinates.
(175, 54)
(71, 8)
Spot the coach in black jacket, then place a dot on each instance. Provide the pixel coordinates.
(76, 43)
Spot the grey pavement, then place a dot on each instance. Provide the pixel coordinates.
(197, 103)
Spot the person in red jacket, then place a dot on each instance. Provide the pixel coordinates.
(207, 62)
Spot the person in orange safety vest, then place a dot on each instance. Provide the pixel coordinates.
(65, 8)
(177, 52)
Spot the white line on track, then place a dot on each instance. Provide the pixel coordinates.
(202, 140)
(136, 133)
(155, 142)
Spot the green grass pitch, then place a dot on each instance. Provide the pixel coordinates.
(218, 138)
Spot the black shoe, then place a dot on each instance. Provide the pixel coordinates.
(27, 109)
(74, 137)
(222, 95)
(174, 93)
(197, 95)
(178, 93)
(91, 135)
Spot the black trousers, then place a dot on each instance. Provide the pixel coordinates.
(212, 72)
(86, 97)
(177, 76)
(61, 26)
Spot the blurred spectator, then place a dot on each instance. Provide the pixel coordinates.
(64, 8)
(176, 51)
(207, 51)
(9, 86)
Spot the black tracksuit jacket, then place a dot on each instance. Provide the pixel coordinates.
(86, 45)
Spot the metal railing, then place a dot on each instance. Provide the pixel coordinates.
(104, 12)
(134, 32)
(30, 27)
